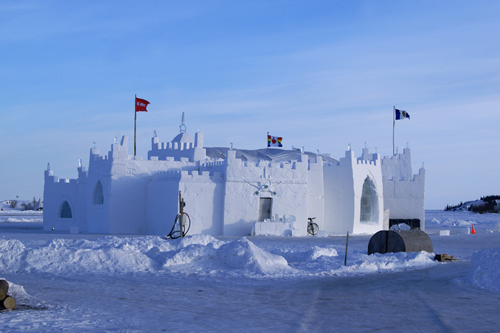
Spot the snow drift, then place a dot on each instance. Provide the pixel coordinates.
(201, 255)
(485, 271)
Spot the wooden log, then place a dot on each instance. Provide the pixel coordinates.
(8, 303)
(2, 295)
(444, 257)
(4, 285)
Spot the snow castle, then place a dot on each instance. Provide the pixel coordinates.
(228, 191)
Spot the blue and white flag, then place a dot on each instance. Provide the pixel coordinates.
(400, 114)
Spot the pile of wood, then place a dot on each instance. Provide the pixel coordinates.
(6, 301)
(444, 257)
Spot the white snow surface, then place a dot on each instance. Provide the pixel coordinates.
(83, 282)
(485, 271)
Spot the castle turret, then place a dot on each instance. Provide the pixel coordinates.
(182, 146)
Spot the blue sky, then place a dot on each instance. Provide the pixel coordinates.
(321, 74)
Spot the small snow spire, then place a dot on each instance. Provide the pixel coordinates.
(349, 146)
(182, 127)
(114, 139)
(231, 146)
(48, 166)
(79, 162)
(407, 145)
(155, 134)
(94, 144)
(317, 150)
(365, 145)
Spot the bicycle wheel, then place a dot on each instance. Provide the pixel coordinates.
(312, 228)
(183, 221)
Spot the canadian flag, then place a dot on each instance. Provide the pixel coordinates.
(141, 104)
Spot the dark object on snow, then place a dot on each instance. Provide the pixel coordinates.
(413, 223)
(414, 240)
(6, 301)
(4, 286)
(444, 257)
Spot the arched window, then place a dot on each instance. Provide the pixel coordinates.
(367, 202)
(98, 198)
(65, 211)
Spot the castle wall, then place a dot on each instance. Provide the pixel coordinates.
(181, 147)
(337, 181)
(162, 202)
(98, 215)
(122, 194)
(56, 191)
(82, 200)
(316, 192)
(398, 166)
(203, 194)
(404, 193)
(343, 190)
(405, 198)
(368, 170)
(285, 183)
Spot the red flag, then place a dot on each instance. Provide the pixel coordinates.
(141, 104)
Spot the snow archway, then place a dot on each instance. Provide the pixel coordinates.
(98, 198)
(65, 210)
(369, 202)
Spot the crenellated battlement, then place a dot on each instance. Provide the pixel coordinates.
(404, 156)
(398, 166)
(167, 174)
(182, 146)
(419, 177)
(367, 162)
(189, 174)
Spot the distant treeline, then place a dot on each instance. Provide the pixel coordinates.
(483, 205)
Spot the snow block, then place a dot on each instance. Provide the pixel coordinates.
(465, 231)
(444, 232)
(274, 228)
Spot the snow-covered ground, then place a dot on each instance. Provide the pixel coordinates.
(79, 282)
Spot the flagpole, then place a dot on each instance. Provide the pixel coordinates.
(135, 118)
(393, 126)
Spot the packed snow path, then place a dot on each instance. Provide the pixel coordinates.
(89, 284)
(416, 301)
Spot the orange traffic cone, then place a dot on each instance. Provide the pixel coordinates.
(473, 231)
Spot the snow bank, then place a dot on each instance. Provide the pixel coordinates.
(436, 219)
(243, 254)
(392, 262)
(485, 271)
(201, 255)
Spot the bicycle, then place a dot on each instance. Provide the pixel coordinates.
(182, 221)
(312, 227)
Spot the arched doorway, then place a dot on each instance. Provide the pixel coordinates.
(98, 198)
(65, 210)
(369, 202)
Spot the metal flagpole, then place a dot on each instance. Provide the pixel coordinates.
(135, 118)
(393, 125)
